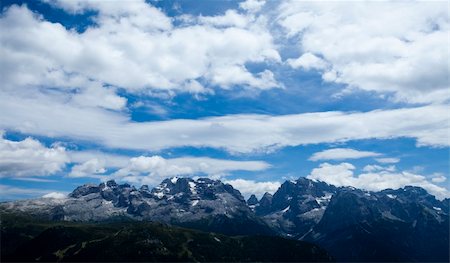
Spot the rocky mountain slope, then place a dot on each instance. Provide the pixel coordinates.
(296, 207)
(204, 204)
(406, 224)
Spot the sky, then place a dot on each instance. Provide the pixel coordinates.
(249, 92)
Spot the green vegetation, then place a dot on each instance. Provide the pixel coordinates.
(28, 239)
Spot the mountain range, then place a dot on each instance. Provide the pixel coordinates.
(406, 224)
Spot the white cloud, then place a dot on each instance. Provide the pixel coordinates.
(106, 159)
(249, 187)
(151, 170)
(10, 192)
(47, 116)
(33, 179)
(55, 195)
(405, 53)
(92, 167)
(375, 167)
(136, 13)
(343, 175)
(30, 158)
(307, 61)
(252, 5)
(439, 178)
(341, 154)
(230, 18)
(387, 160)
(132, 46)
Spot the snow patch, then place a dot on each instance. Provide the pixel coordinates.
(391, 196)
(323, 200)
(192, 187)
(437, 208)
(174, 180)
(159, 195)
(194, 203)
(284, 210)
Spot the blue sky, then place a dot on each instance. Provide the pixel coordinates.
(249, 92)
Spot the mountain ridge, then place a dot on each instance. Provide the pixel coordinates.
(302, 209)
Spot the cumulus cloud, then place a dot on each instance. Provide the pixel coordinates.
(29, 157)
(151, 170)
(134, 46)
(374, 180)
(230, 18)
(91, 167)
(307, 61)
(341, 154)
(404, 54)
(252, 5)
(249, 187)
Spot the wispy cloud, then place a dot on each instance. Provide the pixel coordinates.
(341, 154)
(387, 160)
(234, 133)
(34, 179)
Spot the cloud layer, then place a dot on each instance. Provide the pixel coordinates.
(152, 170)
(235, 133)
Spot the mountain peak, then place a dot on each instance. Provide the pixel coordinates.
(202, 188)
(252, 200)
(84, 190)
(111, 183)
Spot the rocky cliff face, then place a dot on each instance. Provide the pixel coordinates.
(392, 225)
(406, 224)
(204, 203)
(296, 206)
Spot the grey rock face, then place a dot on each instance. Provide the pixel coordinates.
(296, 206)
(264, 205)
(252, 201)
(175, 200)
(406, 224)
